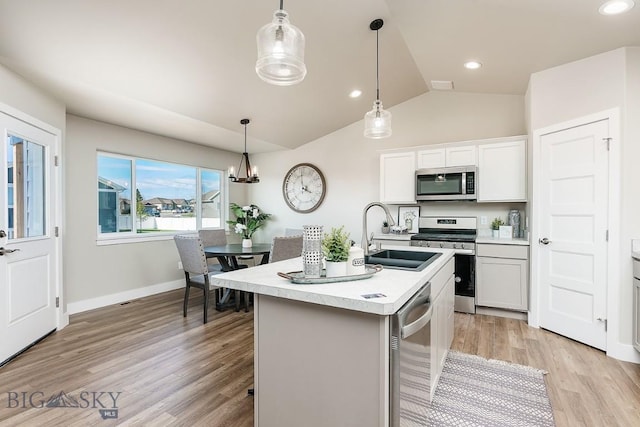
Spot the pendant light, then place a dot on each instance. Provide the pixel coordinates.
(251, 174)
(377, 122)
(280, 51)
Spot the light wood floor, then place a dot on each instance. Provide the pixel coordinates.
(175, 371)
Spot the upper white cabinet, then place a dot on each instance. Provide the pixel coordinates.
(447, 157)
(502, 171)
(397, 177)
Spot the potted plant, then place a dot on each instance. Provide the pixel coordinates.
(335, 248)
(495, 226)
(385, 227)
(248, 220)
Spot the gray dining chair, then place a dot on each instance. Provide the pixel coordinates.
(285, 247)
(293, 232)
(196, 269)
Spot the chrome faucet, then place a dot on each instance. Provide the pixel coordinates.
(366, 241)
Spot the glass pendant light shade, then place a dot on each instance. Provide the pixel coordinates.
(377, 122)
(280, 52)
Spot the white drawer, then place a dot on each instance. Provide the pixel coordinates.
(502, 251)
(636, 269)
(441, 278)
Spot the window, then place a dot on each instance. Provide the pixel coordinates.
(146, 197)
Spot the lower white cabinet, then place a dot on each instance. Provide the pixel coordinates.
(441, 324)
(502, 276)
(636, 304)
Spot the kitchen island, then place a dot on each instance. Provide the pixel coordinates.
(321, 351)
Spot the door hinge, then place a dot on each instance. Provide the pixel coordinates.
(57, 302)
(608, 142)
(55, 160)
(607, 236)
(56, 231)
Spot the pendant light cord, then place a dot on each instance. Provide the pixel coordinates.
(377, 71)
(245, 138)
(281, 4)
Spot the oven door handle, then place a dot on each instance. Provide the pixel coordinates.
(413, 327)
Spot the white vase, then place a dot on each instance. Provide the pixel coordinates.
(336, 269)
(247, 243)
(495, 233)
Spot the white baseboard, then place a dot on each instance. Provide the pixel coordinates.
(625, 352)
(103, 301)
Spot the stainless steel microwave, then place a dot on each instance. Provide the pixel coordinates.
(451, 183)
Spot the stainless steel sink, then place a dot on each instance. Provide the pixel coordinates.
(402, 260)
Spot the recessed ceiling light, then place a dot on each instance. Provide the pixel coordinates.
(355, 93)
(472, 65)
(614, 7)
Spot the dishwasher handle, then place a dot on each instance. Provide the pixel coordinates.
(413, 327)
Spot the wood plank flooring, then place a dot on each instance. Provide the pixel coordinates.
(175, 371)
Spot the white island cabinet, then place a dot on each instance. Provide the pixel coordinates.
(322, 352)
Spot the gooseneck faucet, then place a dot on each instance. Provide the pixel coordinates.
(366, 241)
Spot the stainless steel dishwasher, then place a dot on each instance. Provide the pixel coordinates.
(410, 361)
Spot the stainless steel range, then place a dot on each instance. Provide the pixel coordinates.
(459, 234)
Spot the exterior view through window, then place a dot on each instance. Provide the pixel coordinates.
(138, 196)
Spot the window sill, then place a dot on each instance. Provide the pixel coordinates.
(119, 240)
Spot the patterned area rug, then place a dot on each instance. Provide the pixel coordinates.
(474, 391)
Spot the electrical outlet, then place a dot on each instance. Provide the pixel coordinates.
(179, 265)
(483, 220)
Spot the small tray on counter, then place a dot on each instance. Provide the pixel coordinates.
(297, 277)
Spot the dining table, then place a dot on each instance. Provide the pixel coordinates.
(227, 255)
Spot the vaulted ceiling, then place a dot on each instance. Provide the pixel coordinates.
(185, 69)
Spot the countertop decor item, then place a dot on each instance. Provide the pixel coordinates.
(248, 220)
(299, 278)
(377, 122)
(408, 216)
(385, 227)
(251, 174)
(514, 221)
(335, 248)
(304, 188)
(280, 51)
(312, 250)
(495, 226)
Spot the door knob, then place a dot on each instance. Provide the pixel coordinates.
(7, 251)
(544, 241)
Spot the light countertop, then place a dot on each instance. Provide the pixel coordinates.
(499, 241)
(397, 285)
(392, 236)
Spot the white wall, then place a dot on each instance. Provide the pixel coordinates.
(27, 98)
(582, 88)
(93, 271)
(350, 162)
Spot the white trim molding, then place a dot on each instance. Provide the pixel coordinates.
(615, 348)
(120, 297)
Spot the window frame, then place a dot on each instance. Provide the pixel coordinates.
(114, 238)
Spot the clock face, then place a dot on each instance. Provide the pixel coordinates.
(303, 188)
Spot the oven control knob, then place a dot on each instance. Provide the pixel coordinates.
(455, 246)
(442, 245)
(458, 279)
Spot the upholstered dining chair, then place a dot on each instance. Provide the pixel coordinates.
(285, 247)
(196, 269)
(293, 232)
(217, 237)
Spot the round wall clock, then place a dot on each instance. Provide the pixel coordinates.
(304, 188)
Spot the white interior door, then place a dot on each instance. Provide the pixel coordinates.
(28, 260)
(573, 219)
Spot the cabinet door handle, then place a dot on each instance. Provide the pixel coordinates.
(544, 241)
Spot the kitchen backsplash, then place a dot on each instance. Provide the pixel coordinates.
(478, 210)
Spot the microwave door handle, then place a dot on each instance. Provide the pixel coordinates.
(413, 327)
(464, 183)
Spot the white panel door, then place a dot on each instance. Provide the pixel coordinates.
(573, 262)
(28, 260)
